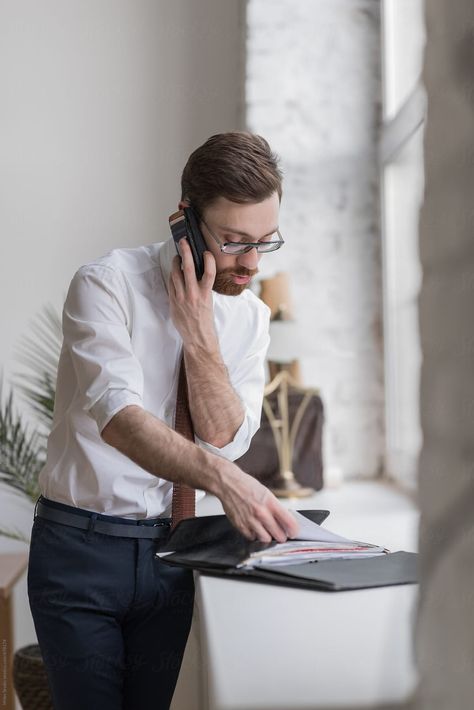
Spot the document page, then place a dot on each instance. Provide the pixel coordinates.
(312, 543)
(312, 531)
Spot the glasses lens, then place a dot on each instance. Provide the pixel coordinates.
(231, 248)
(262, 247)
(268, 246)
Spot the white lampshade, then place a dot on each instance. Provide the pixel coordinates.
(288, 341)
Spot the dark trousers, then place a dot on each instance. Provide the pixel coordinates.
(112, 620)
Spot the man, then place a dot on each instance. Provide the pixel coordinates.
(112, 620)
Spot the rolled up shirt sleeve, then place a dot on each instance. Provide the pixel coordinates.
(247, 377)
(96, 322)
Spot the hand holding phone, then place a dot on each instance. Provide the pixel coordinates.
(185, 223)
(190, 287)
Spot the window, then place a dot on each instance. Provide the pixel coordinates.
(401, 162)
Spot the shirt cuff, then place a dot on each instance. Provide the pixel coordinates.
(111, 403)
(235, 448)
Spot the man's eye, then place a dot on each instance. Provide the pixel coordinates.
(233, 238)
(269, 238)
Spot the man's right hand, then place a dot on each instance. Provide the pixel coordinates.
(250, 507)
(253, 509)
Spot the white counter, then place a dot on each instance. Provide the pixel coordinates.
(263, 647)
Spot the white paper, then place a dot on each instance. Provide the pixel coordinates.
(312, 531)
(310, 557)
(330, 546)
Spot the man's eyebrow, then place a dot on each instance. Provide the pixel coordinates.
(244, 234)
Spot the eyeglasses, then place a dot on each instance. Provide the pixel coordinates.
(268, 243)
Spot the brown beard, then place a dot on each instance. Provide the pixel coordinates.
(224, 284)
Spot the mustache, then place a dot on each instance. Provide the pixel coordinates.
(239, 271)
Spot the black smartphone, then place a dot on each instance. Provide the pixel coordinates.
(185, 223)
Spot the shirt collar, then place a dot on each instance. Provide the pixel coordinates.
(165, 257)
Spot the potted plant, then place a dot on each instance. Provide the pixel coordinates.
(23, 444)
(22, 456)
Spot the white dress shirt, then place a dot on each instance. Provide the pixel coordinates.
(120, 347)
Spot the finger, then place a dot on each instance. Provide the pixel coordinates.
(246, 532)
(189, 270)
(176, 280)
(262, 534)
(209, 276)
(176, 265)
(241, 527)
(286, 520)
(177, 290)
(273, 527)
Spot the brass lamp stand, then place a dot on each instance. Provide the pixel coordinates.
(285, 432)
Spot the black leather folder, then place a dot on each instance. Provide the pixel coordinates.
(212, 546)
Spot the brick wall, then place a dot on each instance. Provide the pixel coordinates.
(313, 90)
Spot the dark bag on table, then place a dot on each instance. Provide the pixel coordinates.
(261, 460)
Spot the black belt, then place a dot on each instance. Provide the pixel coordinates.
(91, 522)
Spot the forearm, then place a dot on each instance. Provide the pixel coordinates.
(216, 409)
(151, 444)
(163, 452)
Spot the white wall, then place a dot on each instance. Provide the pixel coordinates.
(313, 89)
(101, 103)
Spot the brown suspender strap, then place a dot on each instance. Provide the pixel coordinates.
(183, 503)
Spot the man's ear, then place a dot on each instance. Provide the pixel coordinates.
(182, 204)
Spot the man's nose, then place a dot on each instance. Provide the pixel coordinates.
(249, 260)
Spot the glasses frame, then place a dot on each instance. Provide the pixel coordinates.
(247, 246)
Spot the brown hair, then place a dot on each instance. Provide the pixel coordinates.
(237, 165)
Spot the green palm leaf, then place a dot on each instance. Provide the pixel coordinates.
(22, 453)
(23, 447)
(39, 351)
